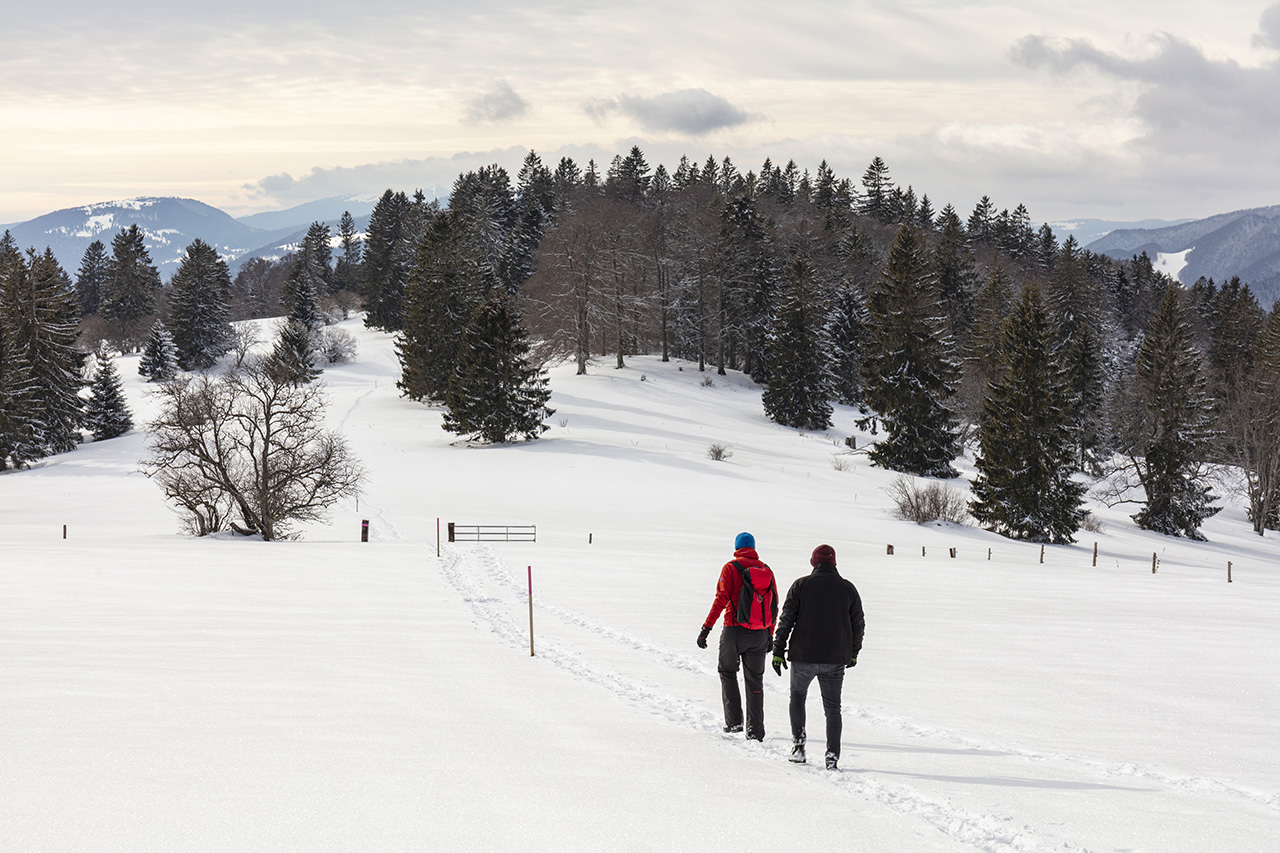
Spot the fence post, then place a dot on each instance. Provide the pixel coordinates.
(364, 530)
(988, 555)
(531, 611)
(1153, 562)
(1042, 553)
(921, 550)
(590, 536)
(1228, 571)
(953, 553)
(451, 531)
(1095, 553)
(64, 531)
(888, 549)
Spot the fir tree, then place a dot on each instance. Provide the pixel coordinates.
(495, 394)
(199, 307)
(877, 192)
(1025, 459)
(847, 331)
(106, 412)
(1078, 306)
(159, 362)
(293, 359)
(346, 272)
(982, 222)
(384, 269)
(441, 298)
(957, 275)
(128, 297)
(19, 414)
(909, 369)
(1176, 430)
(800, 381)
(1261, 447)
(91, 278)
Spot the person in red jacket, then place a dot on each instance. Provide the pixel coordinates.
(749, 614)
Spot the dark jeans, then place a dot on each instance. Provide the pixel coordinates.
(830, 679)
(750, 647)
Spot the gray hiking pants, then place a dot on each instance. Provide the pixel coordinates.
(830, 679)
(750, 647)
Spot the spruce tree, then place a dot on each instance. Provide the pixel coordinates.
(1078, 306)
(957, 275)
(293, 359)
(1261, 456)
(106, 412)
(128, 297)
(346, 273)
(91, 278)
(199, 307)
(159, 362)
(847, 331)
(1176, 430)
(1025, 458)
(909, 368)
(19, 414)
(800, 381)
(384, 268)
(495, 394)
(441, 298)
(877, 192)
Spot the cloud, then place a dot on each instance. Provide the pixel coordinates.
(1202, 121)
(499, 104)
(689, 111)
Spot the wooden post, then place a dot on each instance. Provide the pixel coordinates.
(590, 536)
(451, 531)
(1153, 562)
(921, 550)
(888, 549)
(988, 555)
(1042, 553)
(1228, 571)
(364, 530)
(953, 553)
(531, 611)
(1095, 553)
(64, 531)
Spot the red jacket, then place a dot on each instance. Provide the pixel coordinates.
(730, 584)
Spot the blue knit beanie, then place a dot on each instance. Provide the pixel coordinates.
(744, 540)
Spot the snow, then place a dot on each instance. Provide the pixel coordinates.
(1172, 263)
(162, 692)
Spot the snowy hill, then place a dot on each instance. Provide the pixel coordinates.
(161, 692)
(1244, 243)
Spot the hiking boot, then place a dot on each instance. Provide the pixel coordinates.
(797, 753)
(832, 758)
(733, 729)
(756, 736)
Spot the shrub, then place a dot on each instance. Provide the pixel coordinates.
(930, 501)
(719, 452)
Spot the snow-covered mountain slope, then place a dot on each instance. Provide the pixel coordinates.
(1244, 243)
(161, 692)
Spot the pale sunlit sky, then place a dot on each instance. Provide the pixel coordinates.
(1077, 109)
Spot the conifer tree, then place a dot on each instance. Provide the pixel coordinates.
(199, 307)
(495, 394)
(982, 222)
(346, 272)
(1078, 303)
(847, 331)
(159, 362)
(293, 359)
(957, 275)
(384, 269)
(1261, 446)
(106, 412)
(909, 369)
(91, 278)
(128, 297)
(42, 334)
(442, 295)
(877, 192)
(800, 381)
(19, 415)
(1025, 458)
(1173, 437)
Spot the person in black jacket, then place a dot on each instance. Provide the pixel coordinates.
(823, 619)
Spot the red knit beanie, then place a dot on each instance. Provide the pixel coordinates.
(823, 554)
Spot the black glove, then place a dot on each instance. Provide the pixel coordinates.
(853, 661)
(702, 637)
(779, 664)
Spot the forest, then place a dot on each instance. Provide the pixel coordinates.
(1058, 368)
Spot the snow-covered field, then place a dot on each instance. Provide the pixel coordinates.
(163, 693)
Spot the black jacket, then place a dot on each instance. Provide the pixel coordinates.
(823, 618)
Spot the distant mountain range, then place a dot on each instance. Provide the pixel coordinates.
(170, 225)
(1244, 243)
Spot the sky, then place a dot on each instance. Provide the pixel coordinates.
(1087, 109)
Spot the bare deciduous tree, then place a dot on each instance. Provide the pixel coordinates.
(249, 445)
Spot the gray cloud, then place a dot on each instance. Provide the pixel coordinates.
(500, 103)
(690, 111)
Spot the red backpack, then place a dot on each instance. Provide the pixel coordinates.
(758, 598)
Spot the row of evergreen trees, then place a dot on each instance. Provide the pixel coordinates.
(826, 291)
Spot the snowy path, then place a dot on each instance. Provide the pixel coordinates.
(498, 598)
